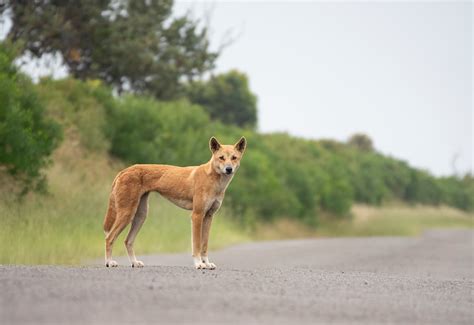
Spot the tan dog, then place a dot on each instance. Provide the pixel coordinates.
(197, 188)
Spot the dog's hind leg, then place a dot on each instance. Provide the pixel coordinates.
(124, 215)
(116, 229)
(137, 223)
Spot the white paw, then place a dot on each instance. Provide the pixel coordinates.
(138, 264)
(111, 263)
(210, 266)
(200, 266)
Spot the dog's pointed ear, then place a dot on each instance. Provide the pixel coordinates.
(214, 145)
(241, 145)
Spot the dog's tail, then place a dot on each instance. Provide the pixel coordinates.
(111, 214)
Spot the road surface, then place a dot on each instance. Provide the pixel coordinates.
(426, 279)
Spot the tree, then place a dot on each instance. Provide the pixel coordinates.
(131, 45)
(227, 98)
(361, 142)
(27, 138)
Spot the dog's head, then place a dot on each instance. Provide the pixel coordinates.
(226, 158)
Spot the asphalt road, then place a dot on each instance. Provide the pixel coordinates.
(428, 279)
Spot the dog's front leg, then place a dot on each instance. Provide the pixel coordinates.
(206, 227)
(205, 239)
(197, 220)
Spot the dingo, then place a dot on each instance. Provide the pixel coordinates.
(197, 188)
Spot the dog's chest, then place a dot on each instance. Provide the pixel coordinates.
(213, 206)
(215, 197)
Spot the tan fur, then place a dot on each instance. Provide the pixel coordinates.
(197, 188)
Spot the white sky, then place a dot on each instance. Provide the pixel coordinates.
(399, 72)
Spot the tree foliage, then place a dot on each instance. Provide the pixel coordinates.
(143, 130)
(27, 137)
(133, 45)
(361, 141)
(227, 98)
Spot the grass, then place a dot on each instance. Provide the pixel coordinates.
(65, 227)
(390, 220)
(397, 220)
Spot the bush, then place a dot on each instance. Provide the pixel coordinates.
(143, 130)
(27, 137)
(227, 98)
(458, 192)
(281, 175)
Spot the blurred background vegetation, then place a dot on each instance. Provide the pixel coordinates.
(141, 90)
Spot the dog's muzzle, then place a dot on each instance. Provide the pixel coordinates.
(228, 170)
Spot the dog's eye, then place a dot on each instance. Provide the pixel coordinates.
(221, 158)
(234, 158)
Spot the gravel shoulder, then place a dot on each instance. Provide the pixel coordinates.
(426, 279)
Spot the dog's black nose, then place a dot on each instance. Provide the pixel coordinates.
(228, 170)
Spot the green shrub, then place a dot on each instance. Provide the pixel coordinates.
(27, 137)
(281, 175)
(458, 192)
(143, 130)
(259, 188)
